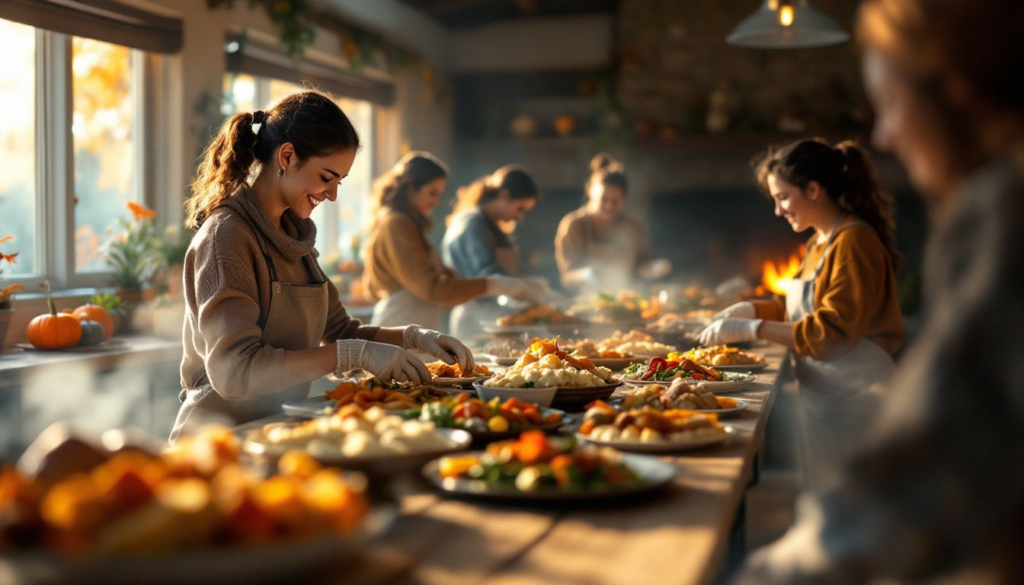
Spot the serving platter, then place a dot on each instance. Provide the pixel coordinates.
(654, 474)
(663, 446)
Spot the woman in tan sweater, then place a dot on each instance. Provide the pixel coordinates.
(599, 246)
(404, 271)
(262, 320)
(841, 317)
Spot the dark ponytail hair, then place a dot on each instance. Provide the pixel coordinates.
(411, 173)
(607, 171)
(309, 120)
(511, 178)
(844, 173)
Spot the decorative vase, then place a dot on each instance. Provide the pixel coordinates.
(5, 322)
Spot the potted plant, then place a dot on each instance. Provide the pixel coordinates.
(6, 310)
(134, 256)
(172, 247)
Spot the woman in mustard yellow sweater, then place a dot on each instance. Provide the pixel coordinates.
(841, 317)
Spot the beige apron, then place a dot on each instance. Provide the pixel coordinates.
(835, 398)
(613, 259)
(295, 321)
(468, 318)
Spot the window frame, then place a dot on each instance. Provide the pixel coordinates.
(54, 167)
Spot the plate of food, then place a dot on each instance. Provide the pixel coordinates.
(634, 343)
(648, 430)
(547, 366)
(680, 395)
(662, 371)
(723, 357)
(370, 440)
(535, 468)
(366, 393)
(448, 376)
(490, 420)
(533, 318)
(190, 514)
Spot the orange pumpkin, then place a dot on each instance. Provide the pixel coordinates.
(98, 314)
(56, 330)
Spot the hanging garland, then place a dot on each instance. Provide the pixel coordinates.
(294, 21)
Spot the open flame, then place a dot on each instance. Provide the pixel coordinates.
(776, 276)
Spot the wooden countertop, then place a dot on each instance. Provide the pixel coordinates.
(679, 535)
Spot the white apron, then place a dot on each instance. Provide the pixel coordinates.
(468, 318)
(295, 321)
(613, 258)
(404, 308)
(836, 400)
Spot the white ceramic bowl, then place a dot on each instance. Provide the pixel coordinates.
(538, 396)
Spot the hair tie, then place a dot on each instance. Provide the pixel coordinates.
(259, 116)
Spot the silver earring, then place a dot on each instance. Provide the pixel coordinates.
(280, 172)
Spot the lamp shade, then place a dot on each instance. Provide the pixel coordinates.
(782, 24)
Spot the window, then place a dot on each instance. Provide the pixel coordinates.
(17, 144)
(71, 164)
(341, 226)
(103, 126)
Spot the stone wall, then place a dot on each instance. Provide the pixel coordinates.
(674, 64)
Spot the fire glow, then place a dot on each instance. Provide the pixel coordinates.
(776, 276)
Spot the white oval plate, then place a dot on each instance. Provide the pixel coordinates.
(733, 384)
(391, 463)
(744, 368)
(450, 382)
(653, 472)
(662, 446)
(741, 405)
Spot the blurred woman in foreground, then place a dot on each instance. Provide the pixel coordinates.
(937, 488)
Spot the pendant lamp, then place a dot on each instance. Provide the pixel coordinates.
(787, 24)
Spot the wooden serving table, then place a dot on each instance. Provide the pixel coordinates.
(679, 535)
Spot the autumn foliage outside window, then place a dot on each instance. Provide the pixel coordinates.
(8, 290)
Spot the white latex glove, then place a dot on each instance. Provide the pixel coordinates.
(444, 347)
(729, 330)
(514, 288)
(744, 310)
(386, 361)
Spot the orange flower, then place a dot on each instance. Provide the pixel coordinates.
(9, 257)
(6, 239)
(141, 212)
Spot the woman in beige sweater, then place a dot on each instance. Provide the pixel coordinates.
(262, 320)
(404, 271)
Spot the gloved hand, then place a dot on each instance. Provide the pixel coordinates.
(539, 284)
(655, 269)
(744, 310)
(515, 288)
(387, 362)
(439, 345)
(729, 330)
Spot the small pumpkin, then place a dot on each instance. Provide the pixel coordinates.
(54, 330)
(92, 333)
(89, 312)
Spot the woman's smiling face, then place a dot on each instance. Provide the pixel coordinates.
(791, 203)
(305, 186)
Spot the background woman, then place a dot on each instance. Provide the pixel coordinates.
(936, 493)
(598, 246)
(841, 318)
(403, 269)
(478, 242)
(262, 320)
